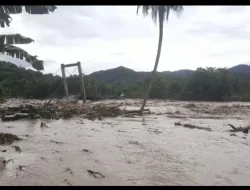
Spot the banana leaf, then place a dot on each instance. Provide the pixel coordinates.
(14, 39)
(5, 19)
(19, 53)
(11, 9)
(35, 9)
(41, 9)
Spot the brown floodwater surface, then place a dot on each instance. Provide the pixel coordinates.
(147, 150)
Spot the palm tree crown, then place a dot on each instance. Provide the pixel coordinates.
(160, 10)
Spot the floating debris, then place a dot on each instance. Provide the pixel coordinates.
(67, 181)
(44, 159)
(69, 170)
(122, 131)
(178, 124)
(43, 125)
(8, 138)
(156, 131)
(190, 106)
(3, 162)
(196, 127)
(134, 142)
(17, 149)
(86, 150)
(239, 129)
(56, 142)
(97, 175)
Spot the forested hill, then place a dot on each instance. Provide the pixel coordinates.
(240, 69)
(125, 75)
(203, 84)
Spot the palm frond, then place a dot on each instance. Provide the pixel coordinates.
(19, 53)
(14, 39)
(160, 11)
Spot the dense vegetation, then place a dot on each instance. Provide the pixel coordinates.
(207, 84)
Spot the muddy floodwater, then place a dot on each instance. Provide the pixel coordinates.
(148, 150)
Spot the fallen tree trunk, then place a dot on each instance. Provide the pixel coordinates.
(196, 127)
(239, 129)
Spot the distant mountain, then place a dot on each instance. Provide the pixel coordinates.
(179, 73)
(118, 75)
(125, 75)
(240, 69)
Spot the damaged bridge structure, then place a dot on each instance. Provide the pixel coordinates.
(78, 64)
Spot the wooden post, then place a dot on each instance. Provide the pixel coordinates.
(81, 81)
(64, 81)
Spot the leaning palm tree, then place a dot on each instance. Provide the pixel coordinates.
(7, 40)
(160, 13)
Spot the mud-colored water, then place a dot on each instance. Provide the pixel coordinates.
(147, 150)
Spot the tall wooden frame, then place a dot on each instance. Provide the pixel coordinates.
(78, 64)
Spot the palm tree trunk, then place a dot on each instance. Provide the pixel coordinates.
(153, 74)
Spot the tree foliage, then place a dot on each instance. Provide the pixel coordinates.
(205, 84)
(7, 40)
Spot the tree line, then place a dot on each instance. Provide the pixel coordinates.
(205, 84)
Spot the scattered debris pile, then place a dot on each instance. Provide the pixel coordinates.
(63, 110)
(218, 110)
(100, 111)
(8, 138)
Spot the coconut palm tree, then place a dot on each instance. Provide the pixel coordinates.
(160, 13)
(7, 40)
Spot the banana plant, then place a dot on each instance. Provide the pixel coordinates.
(7, 40)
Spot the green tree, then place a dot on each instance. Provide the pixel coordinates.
(161, 13)
(158, 88)
(173, 90)
(7, 40)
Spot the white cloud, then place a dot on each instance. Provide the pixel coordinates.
(104, 37)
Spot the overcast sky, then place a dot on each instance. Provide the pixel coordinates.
(104, 37)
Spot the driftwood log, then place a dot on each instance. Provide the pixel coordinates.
(193, 126)
(14, 117)
(196, 127)
(239, 129)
